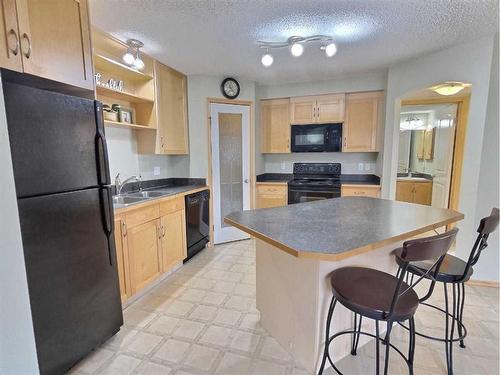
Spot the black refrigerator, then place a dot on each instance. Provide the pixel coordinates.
(64, 198)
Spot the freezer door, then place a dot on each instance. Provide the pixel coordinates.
(57, 141)
(72, 275)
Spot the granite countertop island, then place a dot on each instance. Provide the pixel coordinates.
(297, 246)
(333, 229)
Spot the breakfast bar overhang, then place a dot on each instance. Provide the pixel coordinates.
(297, 246)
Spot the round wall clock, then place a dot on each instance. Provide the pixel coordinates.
(230, 88)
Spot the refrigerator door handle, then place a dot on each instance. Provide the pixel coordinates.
(107, 216)
(101, 148)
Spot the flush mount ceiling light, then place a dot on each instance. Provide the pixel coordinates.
(449, 88)
(296, 46)
(133, 57)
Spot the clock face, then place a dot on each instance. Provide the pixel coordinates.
(230, 88)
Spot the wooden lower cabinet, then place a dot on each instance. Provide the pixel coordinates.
(271, 195)
(360, 191)
(149, 241)
(419, 192)
(122, 258)
(173, 242)
(144, 248)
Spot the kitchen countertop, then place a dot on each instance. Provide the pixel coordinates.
(170, 188)
(352, 179)
(337, 228)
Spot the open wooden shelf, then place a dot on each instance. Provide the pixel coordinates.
(122, 95)
(117, 124)
(108, 64)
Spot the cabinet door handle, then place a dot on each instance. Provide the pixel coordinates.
(345, 141)
(314, 112)
(14, 51)
(158, 232)
(27, 38)
(163, 231)
(124, 229)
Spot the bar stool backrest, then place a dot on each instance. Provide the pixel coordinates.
(428, 248)
(487, 225)
(432, 248)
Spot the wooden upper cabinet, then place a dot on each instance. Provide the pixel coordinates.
(303, 110)
(10, 50)
(317, 109)
(424, 144)
(362, 121)
(330, 108)
(55, 40)
(275, 126)
(172, 111)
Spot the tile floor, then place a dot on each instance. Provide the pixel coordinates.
(203, 320)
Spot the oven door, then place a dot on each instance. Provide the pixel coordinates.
(300, 195)
(309, 138)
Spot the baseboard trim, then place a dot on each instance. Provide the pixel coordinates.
(489, 284)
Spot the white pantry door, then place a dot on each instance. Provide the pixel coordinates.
(230, 138)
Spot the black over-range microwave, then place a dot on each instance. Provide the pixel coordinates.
(317, 138)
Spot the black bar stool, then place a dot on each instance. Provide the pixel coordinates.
(382, 297)
(456, 272)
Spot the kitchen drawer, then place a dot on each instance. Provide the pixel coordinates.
(361, 191)
(143, 215)
(171, 205)
(272, 189)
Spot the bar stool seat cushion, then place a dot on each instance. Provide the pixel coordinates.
(369, 292)
(452, 269)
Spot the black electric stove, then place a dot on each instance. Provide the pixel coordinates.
(314, 181)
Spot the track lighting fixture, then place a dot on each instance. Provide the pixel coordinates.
(296, 46)
(132, 56)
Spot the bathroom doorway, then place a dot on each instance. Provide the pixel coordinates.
(431, 144)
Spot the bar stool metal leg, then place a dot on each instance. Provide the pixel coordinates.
(377, 347)
(327, 335)
(387, 346)
(461, 313)
(355, 337)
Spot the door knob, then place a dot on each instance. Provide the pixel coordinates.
(245, 180)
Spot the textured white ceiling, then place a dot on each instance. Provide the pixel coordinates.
(218, 37)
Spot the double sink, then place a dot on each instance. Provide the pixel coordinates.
(125, 200)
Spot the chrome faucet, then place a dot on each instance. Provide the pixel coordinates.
(119, 184)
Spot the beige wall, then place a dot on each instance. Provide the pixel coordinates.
(470, 63)
(17, 341)
(201, 87)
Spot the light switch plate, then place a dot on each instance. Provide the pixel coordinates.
(283, 165)
(360, 166)
(367, 166)
(156, 171)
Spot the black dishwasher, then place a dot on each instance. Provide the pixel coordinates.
(197, 222)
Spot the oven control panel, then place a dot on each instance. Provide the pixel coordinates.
(316, 168)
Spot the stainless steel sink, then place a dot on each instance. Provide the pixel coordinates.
(147, 194)
(127, 199)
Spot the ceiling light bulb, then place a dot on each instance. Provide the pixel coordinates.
(128, 58)
(267, 60)
(331, 49)
(297, 49)
(449, 89)
(138, 63)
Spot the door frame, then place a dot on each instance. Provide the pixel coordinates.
(462, 103)
(251, 150)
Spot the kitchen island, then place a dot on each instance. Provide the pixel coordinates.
(297, 246)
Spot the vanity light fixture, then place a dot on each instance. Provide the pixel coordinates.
(132, 56)
(449, 88)
(296, 46)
